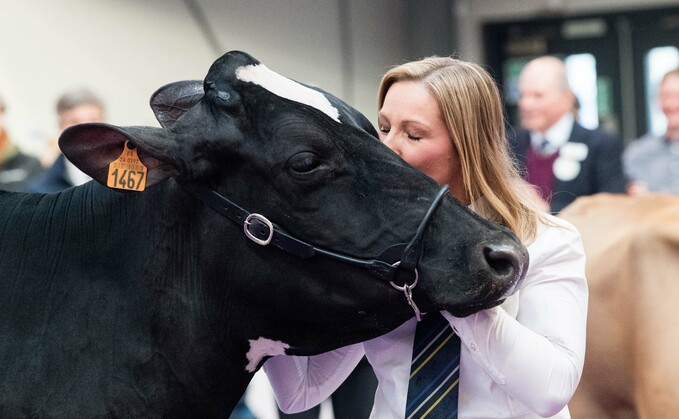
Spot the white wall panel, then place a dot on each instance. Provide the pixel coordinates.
(125, 49)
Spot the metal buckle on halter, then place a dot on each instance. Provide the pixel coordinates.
(262, 219)
(408, 291)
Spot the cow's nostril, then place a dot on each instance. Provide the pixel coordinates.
(502, 259)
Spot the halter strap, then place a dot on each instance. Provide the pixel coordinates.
(260, 230)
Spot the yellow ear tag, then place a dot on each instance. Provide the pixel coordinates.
(127, 172)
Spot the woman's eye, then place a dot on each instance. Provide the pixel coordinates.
(384, 130)
(414, 137)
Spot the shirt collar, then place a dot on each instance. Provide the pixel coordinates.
(557, 135)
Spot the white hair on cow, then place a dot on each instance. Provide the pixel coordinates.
(262, 347)
(284, 87)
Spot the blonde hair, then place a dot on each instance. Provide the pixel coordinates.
(472, 110)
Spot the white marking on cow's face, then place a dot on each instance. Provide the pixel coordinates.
(284, 87)
(263, 347)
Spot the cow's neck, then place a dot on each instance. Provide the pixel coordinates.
(161, 318)
(199, 319)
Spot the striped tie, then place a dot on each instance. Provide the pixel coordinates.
(435, 370)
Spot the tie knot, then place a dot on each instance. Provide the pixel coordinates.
(544, 147)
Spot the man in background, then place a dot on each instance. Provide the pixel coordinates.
(16, 168)
(652, 161)
(560, 157)
(74, 107)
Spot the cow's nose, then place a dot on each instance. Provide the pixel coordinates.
(507, 262)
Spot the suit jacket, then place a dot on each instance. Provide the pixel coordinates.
(53, 179)
(589, 162)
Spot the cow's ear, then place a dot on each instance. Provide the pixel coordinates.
(173, 100)
(92, 148)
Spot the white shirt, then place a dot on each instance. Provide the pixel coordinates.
(557, 135)
(75, 175)
(522, 359)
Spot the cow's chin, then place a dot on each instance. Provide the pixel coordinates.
(474, 308)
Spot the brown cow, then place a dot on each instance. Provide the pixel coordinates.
(632, 360)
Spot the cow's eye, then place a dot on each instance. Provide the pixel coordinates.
(303, 163)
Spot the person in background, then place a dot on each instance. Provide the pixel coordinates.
(16, 168)
(522, 359)
(73, 107)
(652, 161)
(560, 157)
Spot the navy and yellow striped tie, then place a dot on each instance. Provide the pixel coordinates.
(435, 370)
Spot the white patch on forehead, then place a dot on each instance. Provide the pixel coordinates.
(263, 347)
(284, 87)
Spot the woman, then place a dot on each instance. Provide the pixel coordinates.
(522, 359)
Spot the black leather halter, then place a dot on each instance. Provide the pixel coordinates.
(259, 229)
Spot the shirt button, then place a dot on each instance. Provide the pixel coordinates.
(473, 347)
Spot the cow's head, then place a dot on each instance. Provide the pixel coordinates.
(313, 166)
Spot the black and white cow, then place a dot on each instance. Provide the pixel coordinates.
(156, 304)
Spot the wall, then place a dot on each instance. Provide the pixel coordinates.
(126, 49)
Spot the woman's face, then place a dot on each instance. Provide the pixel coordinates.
(411, 124)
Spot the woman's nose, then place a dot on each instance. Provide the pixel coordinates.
(391, 141)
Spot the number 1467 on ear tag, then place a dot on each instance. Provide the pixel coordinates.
(127, 172)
